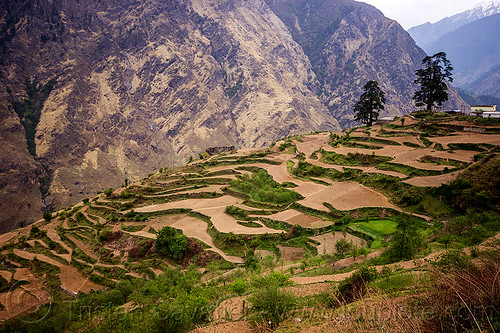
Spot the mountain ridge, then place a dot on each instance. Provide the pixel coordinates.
(427, 33)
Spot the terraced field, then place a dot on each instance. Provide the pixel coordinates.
(297, 198)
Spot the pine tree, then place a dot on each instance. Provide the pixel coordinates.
(371, 100)
(432, 80)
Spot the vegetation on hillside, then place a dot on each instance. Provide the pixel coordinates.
(193, 246)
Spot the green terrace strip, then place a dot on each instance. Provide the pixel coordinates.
(250, 224)
(376, 140)
(353, 144)
(471, 146)
(261, 187)
(353, 159)
(240, 160)
(375, 228)
(412, 145)
(177, 190)
(442, 161)
(427, 143)
(386, 133)
(412, 171)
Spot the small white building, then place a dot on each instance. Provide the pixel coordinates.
(384, 120)
(491, 114)
(479, 109)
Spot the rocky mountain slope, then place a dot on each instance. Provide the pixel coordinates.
(138, 86)
(427, 33)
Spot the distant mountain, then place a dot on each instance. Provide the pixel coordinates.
(427, 33)
(473, 99)
(474, 51)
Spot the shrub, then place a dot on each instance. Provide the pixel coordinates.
(272, 305)
(406, 241)
(251, 261)
(237, 212)
(171, 243)
(34, 231)
(107, 192)
(355, 286)
(47, 216)
(342, 246)
(239, 286)
(466, 297)
(262, 188)
(278, 279)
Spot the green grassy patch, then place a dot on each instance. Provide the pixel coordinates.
(375, 228)
(261, 187)
(470, 146)
(353, 159)
(376, 140)
(250, 224)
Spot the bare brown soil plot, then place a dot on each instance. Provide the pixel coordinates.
(412, 156)
(195, 204)
(72, 280)
(461, 137)
(289, 253)
(6, 275)
(226, 223)
(432, 181)
(23, 298)
(230, 309)
(346, 196)
(328, 240)
(312, 143)
(293, 217)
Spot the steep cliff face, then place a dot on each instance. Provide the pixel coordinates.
(135, 86)
(20, 198)
(146, 85)
(350, 43)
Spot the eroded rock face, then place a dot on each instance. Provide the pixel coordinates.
(144, 85)
(350, 43)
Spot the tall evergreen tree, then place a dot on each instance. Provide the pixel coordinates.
(372, 100)
(432, 80)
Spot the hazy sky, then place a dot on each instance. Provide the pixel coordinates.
(414, 12)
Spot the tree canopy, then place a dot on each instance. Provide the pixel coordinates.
(371, 100)
(432, 80)
(171, 243)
